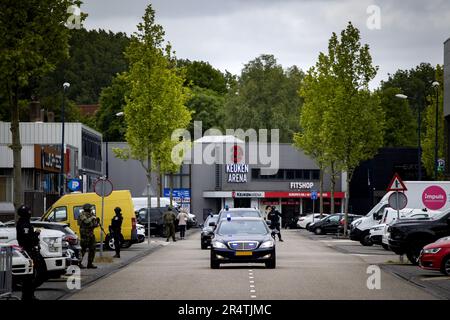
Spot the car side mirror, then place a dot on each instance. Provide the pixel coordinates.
(212, 224)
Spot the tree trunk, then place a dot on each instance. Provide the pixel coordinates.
(321, 191)
(158, 198)
(149, 196)
(16, 149)
(347, 199)
(171, 189)
(333, 187)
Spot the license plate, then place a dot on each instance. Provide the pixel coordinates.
(243, 253)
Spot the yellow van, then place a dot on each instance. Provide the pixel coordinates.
(68, 208)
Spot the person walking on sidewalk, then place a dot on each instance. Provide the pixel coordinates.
(169, 223)
(183, 218)
(116, 230)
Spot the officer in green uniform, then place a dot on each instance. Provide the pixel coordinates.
(88, 222)
(169, 222)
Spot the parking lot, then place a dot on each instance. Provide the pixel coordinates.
(308, 267)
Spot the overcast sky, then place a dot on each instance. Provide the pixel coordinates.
(229, 33)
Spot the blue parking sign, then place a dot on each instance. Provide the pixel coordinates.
(313, 195)
(74, 185)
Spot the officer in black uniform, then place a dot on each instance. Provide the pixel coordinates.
(28, 239)
(116, 230)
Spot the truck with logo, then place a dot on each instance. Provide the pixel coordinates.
(428, 195)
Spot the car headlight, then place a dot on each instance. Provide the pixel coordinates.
(218, 245)
(53, 243)
(432, 251)
(267, 244)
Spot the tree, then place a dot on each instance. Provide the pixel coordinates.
(353, 123)
(34, 39)
(206, 106)
(317, 90)
(400, 125)
(112, 101)
(155, 105)
(429, 142)
(265, 97)
(202, 74)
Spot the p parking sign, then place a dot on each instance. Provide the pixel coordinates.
(74, 185)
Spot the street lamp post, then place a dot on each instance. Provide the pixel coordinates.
(419, 147)
(118, 114)
(66, 86)
(436, 86)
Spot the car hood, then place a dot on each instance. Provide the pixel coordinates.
(442, 244)
(411, 222)
(208, 229)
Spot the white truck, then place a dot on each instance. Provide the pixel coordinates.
(430, 195)
(51, 250)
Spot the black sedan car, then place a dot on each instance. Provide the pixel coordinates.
(331, 224)
(208, 231)
(242, 240)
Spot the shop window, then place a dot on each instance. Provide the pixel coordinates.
(59, 214)
(315, 174)
(5, 189)
(290, 174)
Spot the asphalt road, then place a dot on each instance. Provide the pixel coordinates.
(306, 269)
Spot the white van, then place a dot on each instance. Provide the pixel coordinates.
(141, 202)
(430, 195)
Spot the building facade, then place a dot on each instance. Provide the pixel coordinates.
(41, 160)
(447, 104)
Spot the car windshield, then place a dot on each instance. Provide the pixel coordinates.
(242, 227)
(440, 215)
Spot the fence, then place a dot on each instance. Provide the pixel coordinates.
(6, 255)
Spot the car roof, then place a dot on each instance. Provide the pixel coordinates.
(243, 219)
(240, 209)
(43, 223)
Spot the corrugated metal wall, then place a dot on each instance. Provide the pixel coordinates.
(6, 156)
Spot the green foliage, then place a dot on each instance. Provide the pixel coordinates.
(95, 58)
(206, 106)
(112, 101)
(401, 124)
(265, 97)
(155, 105)
(202, 74)
(428, 141)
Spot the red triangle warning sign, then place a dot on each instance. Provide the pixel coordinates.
(397, 184)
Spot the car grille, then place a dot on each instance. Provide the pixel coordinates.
(243, 245)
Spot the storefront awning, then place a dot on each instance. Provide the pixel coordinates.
(268, 194)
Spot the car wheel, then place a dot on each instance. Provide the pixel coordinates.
(126, 244)
(272, 263)
(39, 271)
(413, 255)
(214, 264)
(204, 245)
(307, 226)
(366, 241)
(385, 246)
(109, 242)
(446, 266)
(318, 231)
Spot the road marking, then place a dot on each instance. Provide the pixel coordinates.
(252, 296)
(252, 291)
(251, 281)
(252, 286)
(251, 277)
(435, 278)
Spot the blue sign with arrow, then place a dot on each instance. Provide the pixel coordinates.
(313, 195)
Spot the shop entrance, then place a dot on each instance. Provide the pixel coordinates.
(290, 209)
(242, 202)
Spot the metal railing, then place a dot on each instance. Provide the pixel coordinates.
(6, 255)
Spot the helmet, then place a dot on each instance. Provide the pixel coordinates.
(24, 211)
(117, 210)
(273, 208)
(87, 207)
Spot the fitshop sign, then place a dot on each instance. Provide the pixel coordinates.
(301, 185)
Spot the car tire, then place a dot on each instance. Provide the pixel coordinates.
(445, 269)
(109, 243)
(307, 226)
(126, 244)
(318, 231)
(413, 255)
(204, 246)
(40, 274)
(365, 240)
(272, 263)
(215, 264)
(385, 246)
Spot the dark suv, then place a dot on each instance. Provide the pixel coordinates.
(156, 220)
(410, 236)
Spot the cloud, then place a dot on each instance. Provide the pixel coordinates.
(229, 33)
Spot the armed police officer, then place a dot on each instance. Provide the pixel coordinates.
(116, 230)
(169, 222)
(88, 222)
(28, 239)
(274, 217)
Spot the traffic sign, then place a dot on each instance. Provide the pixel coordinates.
(441, 165)
(398, 200)
(397, 184)
(313, 195)
(74, 185)
(103, 187)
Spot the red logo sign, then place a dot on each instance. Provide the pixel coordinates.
(434, 197)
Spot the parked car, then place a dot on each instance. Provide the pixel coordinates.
(436, 256)
(351, 218)
(70, 244)
(22, 265)
(305, 221)
(242, 240)
(208, 231)
(409, 236)
(140, 233)
(331, 224)
(156, 220)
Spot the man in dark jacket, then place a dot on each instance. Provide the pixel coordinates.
(116, 230)
(169, 222)
(274, 217)
(28, 239)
